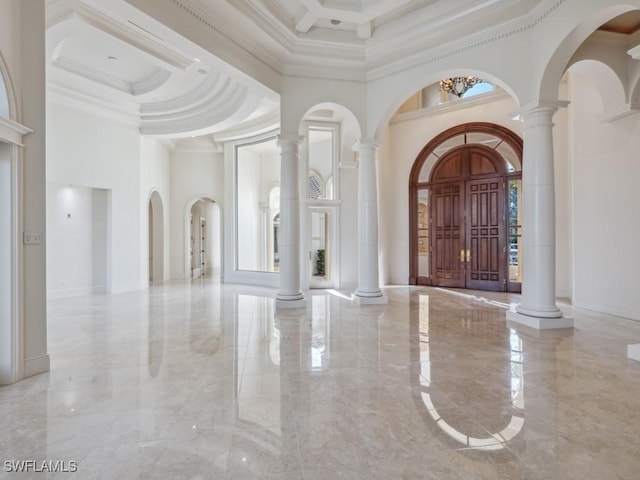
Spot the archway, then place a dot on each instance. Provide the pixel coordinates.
(10, 249)
(464, 209)
(156, 238)
(203, 238)
(330, 131)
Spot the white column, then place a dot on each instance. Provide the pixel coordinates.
(368, 291)
(538, 307)
(290, 295)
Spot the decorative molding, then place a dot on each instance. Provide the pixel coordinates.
(124, 112)
(621, 111)
(128, 33)
(205, 19)
(12, 132)
(520, 25)
(452, 106)
(71, 66)
(155, 81)
(250, 128)
(465, 44)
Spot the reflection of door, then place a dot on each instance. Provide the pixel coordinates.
(468, 243)
(321, 255)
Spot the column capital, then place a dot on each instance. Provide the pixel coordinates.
(289, 139)
(363, 143)
(539, 108)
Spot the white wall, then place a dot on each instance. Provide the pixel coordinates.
(405, 140)
(193, 175)
(70, 254)
(87, 149)
(249, 231)
(606, 196)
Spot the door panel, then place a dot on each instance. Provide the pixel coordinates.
(485, 233)
(448, 236)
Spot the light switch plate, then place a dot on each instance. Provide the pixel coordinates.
(32, 238)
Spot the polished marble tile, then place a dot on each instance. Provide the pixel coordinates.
(205, 380)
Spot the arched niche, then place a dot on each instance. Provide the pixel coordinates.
(156, 238)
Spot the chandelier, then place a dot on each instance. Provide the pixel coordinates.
(458, 85)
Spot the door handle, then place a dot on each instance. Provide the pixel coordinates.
(468, 256)
(462, 255)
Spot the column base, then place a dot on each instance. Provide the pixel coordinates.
(633, 352)
(539, 323)
(369, 300)
(291, 301)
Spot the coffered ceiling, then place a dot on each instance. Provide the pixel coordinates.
(109, 52)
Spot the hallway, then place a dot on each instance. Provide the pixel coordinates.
(206, 380)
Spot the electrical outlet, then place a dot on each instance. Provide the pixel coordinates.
(32, 238)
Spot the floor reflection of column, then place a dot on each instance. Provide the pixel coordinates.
(289, 323)
(539, 446)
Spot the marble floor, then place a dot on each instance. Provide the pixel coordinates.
(207, 381)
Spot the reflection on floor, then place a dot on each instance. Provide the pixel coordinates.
(203, 380)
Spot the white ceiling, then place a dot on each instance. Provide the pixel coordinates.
(109, 53)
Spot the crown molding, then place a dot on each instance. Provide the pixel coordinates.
(467, 43)
(452, 106)
(212, 23)
(72, 66)
(250, 129)
(125, 112)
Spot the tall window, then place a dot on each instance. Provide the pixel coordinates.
(257, 171)
(323, 154)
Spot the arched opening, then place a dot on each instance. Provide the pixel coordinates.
(204, 239)
(156, 238)
(465, 211)
(10, 261)
(330, 131)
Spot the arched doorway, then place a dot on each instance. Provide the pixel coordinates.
(156, 238)
(465, 211)
(204, 238)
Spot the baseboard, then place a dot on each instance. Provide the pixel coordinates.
(130, 287)
(69, 292)
(36, 365)
(607, 310)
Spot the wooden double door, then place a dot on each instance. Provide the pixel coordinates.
(468, 225)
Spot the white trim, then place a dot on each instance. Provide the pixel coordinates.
(12, 132)
(36, 365)
(74, 292)
(452, 106)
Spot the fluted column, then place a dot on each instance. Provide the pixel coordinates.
(538, 307)
(290, 294)
(368, 291)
